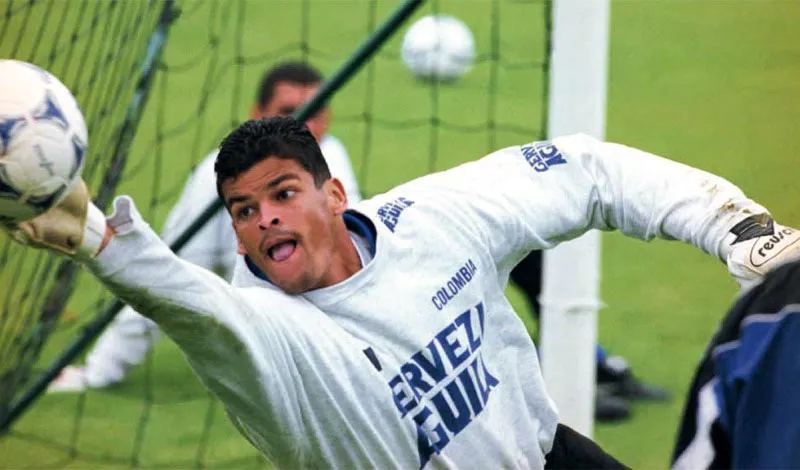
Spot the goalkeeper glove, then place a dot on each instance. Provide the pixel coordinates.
(74, 227)
(758, 245)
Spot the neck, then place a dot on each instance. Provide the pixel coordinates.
(345, 261)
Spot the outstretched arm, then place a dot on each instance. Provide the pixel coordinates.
(140, 269)
(125, 254)
(537, 195)
(210, 320)
(128, 339)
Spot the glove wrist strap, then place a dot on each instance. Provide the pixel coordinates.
(93, 233)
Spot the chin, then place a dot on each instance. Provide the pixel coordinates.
(293, 287)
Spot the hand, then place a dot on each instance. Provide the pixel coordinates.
(760, 245)
(64, 227)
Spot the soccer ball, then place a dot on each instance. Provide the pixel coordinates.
(43, 140)
(438, 47)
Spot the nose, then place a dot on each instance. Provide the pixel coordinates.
(266, 223)
(268, 219)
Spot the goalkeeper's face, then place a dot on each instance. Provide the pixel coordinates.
(289, 227)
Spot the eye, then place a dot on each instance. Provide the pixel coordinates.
(284, 194)
(244, 212)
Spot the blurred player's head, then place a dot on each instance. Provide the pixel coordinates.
(285, 88)
(286, 208)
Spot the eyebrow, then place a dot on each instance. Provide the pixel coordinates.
(270, 185)
(280, 179)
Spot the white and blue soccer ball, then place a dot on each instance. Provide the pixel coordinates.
(438, 47)
(43, 140)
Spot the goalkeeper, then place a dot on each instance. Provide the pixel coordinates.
(380, 336)
(126, 342)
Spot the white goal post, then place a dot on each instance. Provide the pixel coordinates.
(570, 291)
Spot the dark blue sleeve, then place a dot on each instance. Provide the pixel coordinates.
(758, 390)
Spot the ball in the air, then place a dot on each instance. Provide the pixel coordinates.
(438, 47)
(43, 140)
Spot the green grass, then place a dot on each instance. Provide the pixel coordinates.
(713, 84)
(710, 83)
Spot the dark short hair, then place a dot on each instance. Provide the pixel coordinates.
(300, 73)
(259, 139)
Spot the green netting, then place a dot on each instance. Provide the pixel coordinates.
(103, 53)
(394, 128)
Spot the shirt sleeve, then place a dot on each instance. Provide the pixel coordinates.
(238, 351)
(537, 195)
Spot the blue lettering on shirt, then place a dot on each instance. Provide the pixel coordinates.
(542, 155)
(389, 213)
(453, 286)
(445, 385)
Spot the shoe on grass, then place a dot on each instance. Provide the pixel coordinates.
(614, 377)
(610, 409)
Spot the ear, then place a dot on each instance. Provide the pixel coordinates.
(256, 111)
(337, 197)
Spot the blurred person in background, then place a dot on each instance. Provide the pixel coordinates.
(283, 89)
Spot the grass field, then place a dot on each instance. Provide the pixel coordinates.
(714, 83)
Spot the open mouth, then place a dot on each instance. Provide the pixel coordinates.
(281, 251)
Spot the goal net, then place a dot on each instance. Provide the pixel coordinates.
(106, 54)
(393, 126)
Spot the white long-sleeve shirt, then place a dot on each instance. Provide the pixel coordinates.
(418, 360)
